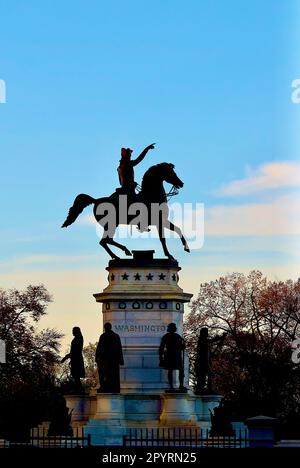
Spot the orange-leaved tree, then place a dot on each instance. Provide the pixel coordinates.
(253, 369)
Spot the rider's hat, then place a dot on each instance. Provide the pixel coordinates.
(126, 152)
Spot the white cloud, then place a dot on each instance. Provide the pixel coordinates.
(269, 176)
(277, 217)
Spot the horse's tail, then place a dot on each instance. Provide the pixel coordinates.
(80, 202)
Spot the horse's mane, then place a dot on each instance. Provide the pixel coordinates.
(149, 172)
(152, 171)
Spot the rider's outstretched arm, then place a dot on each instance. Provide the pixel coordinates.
(142, 155)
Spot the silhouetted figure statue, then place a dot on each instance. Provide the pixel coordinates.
(126, 176)
(126, 171)
(220, 422)
(203, 368)
(109, 358)
(76, 359)
(60, 419)
(171, 351)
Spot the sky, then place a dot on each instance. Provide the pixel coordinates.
(208, 81)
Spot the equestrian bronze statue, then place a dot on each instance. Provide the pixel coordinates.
(147, 208)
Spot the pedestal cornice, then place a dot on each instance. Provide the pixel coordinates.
(130, 295)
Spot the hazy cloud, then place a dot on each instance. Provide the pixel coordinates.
(277, 217)
(268, 176)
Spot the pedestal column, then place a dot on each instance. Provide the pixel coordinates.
(141, 299)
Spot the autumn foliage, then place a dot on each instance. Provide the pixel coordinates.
(253, 369)
(26, 379)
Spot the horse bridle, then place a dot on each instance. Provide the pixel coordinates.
(174, 191)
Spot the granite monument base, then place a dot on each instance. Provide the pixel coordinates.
(141, 298)
(109, 416)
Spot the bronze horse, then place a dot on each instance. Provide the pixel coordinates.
(152, 194)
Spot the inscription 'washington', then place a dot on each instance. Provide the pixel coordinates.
(140, 328)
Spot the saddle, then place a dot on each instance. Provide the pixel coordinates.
(132, 197)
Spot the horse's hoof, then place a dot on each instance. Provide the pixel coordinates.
(127, 252)
(187, 249)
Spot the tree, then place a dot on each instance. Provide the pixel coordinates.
(253, 370)
(91, 372)
(30, 354)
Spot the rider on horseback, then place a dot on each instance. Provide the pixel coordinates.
(126, 176)
(107, 209)
(126, 171)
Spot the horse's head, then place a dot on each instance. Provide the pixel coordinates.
(169, 175)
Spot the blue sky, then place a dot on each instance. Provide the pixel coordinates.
(208, 81)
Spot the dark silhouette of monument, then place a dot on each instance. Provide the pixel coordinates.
(109, 358)
(152, 194)
(220, 422)
(203, 367)
(141, 296)
(76, 359)
(60, 419)
(171, 351)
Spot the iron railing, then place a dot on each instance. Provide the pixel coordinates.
(184, 437)
(40, 438)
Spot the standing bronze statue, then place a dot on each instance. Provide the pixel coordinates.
(109, 358)
(171, 352)
(76, 359)
(110, 211)
(203, 367)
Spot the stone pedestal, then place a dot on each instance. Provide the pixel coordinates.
(141, 299)
(83, 408)
(110, 406)
(107, 427)
(204, 406)
(116, 414)
(177, 410)
(261, 431)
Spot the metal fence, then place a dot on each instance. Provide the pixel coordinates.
(184, 437)
(40, 438)
(4, 443)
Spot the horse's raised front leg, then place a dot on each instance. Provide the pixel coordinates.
(162, 239)
(174, 228)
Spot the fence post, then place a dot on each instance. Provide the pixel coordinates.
(261, 431)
